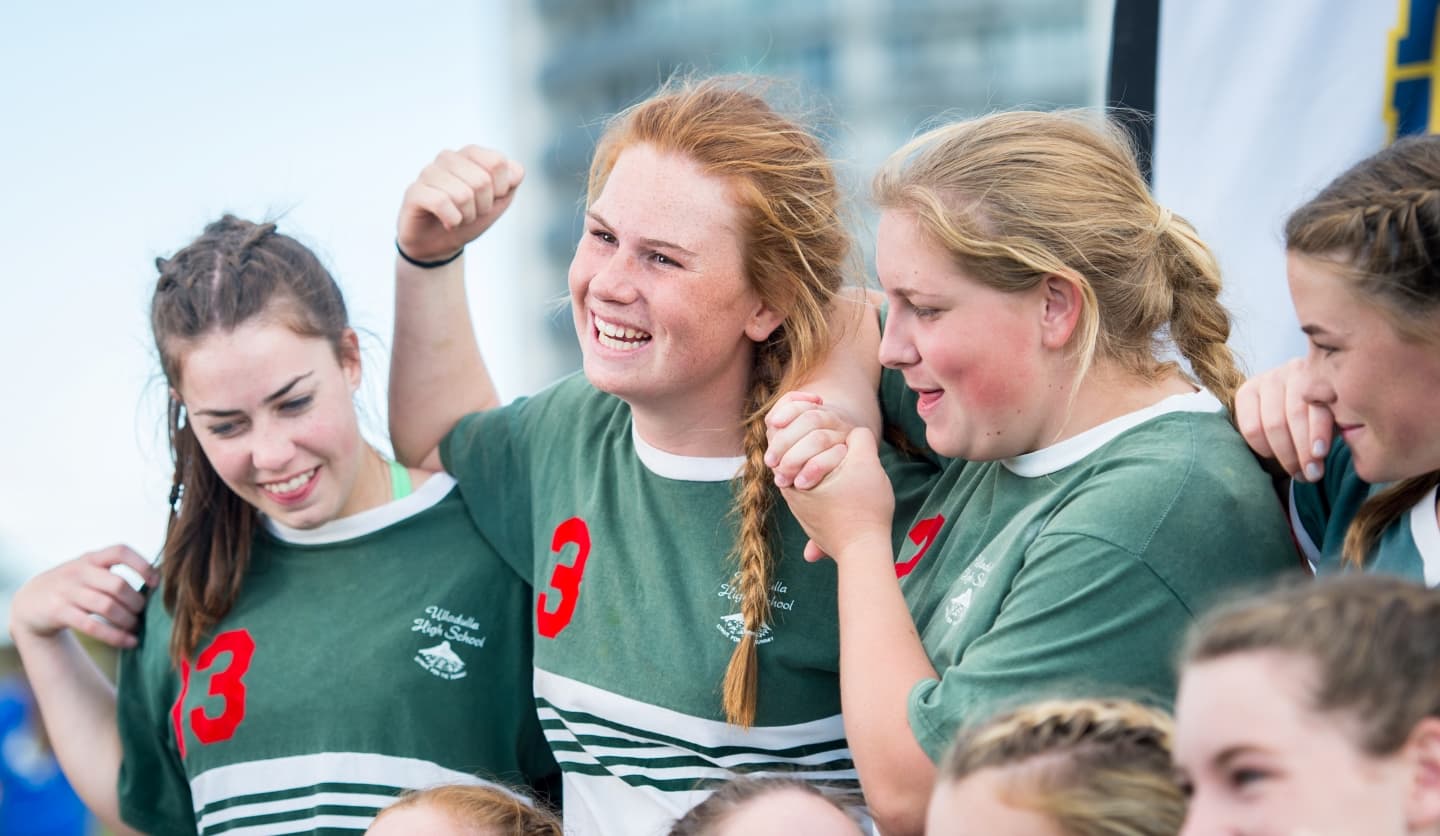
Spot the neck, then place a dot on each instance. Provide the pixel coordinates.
(1104, 394)
(696, 429)
(372, 483)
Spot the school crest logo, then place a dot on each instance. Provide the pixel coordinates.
(958, 606)
(441, 661)
(732, 627)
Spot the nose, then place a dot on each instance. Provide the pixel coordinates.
(1313, 383)
(272, 449)
(615, 279)
(897, 349)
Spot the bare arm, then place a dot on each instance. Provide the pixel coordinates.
(76, 701)
(839, 396)
(436, 372)
(849, 517)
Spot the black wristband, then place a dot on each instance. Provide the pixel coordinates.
(426, 265)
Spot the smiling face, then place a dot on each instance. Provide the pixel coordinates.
(665, 316)
(272, 411)
(973, 353)
(1261, 762)
(1383, 389)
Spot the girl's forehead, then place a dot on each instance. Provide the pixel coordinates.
(668, 197)
(236, 362)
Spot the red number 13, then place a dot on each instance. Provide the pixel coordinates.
(922, 535)
(228, 683)
(564, 578)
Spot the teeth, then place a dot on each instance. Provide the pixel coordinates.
(289, 484)
(615, 333)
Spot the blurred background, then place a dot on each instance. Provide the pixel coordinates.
(128, 127)
(131, 127)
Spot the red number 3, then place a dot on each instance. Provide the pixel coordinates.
(922, 535)
(228, 683)
(564, 578)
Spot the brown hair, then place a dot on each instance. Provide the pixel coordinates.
(710, 815)
(1370, 639)
(1378, 226)
(1015, 197)
(1096, 767)
(794, 246)
(478, 806)
(234, 271)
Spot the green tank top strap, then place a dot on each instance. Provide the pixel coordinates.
(399, 481)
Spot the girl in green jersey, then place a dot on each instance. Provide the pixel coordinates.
(333, 630)
(1096, 494)
(1364, 271)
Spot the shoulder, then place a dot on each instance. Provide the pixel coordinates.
(1182, 486)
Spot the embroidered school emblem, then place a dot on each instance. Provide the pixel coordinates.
(958, 606)
(732, 627)
(441, 661)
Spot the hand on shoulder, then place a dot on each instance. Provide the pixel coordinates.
(87, 595)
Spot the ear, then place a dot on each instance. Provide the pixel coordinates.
(763, 322)
(350, 358)
(1063, 300)
(1422, 806)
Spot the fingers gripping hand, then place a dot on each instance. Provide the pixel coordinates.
(85, 595)
(806, 440)
(853, 505)
(455, 198)
(1277, 422)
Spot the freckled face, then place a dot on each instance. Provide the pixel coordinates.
(1383, 389)
(973, 353)
(665, 315)
(272, 411)
(1261, 762)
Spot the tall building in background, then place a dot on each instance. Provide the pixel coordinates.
(878, 68)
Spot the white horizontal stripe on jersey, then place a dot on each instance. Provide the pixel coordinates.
(280, 775)
(330, 822)
(289, 805)
(570, 695)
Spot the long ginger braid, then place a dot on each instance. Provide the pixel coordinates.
(794, 246)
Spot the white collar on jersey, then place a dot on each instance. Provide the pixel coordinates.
(1047, 460)
(685, 468)
(1425, 531)
(366, 522)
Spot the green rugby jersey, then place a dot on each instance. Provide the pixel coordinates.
(1320, 514)
(1076, 569)
(637, 614)
(385, 651)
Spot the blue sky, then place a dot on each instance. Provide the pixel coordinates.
(128, 127)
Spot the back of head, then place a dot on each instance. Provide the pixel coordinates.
(234, 272)
(478, 811)
(1094, 767)
(1370, 638)
(1014, 197)
(715, 814)
(795, 247)
(1378, 225)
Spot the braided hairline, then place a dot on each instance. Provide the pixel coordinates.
(1097, 731)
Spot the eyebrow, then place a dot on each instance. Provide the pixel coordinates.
(271, 398)
(652, 243)
(1230, 753)
(1312, 330)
